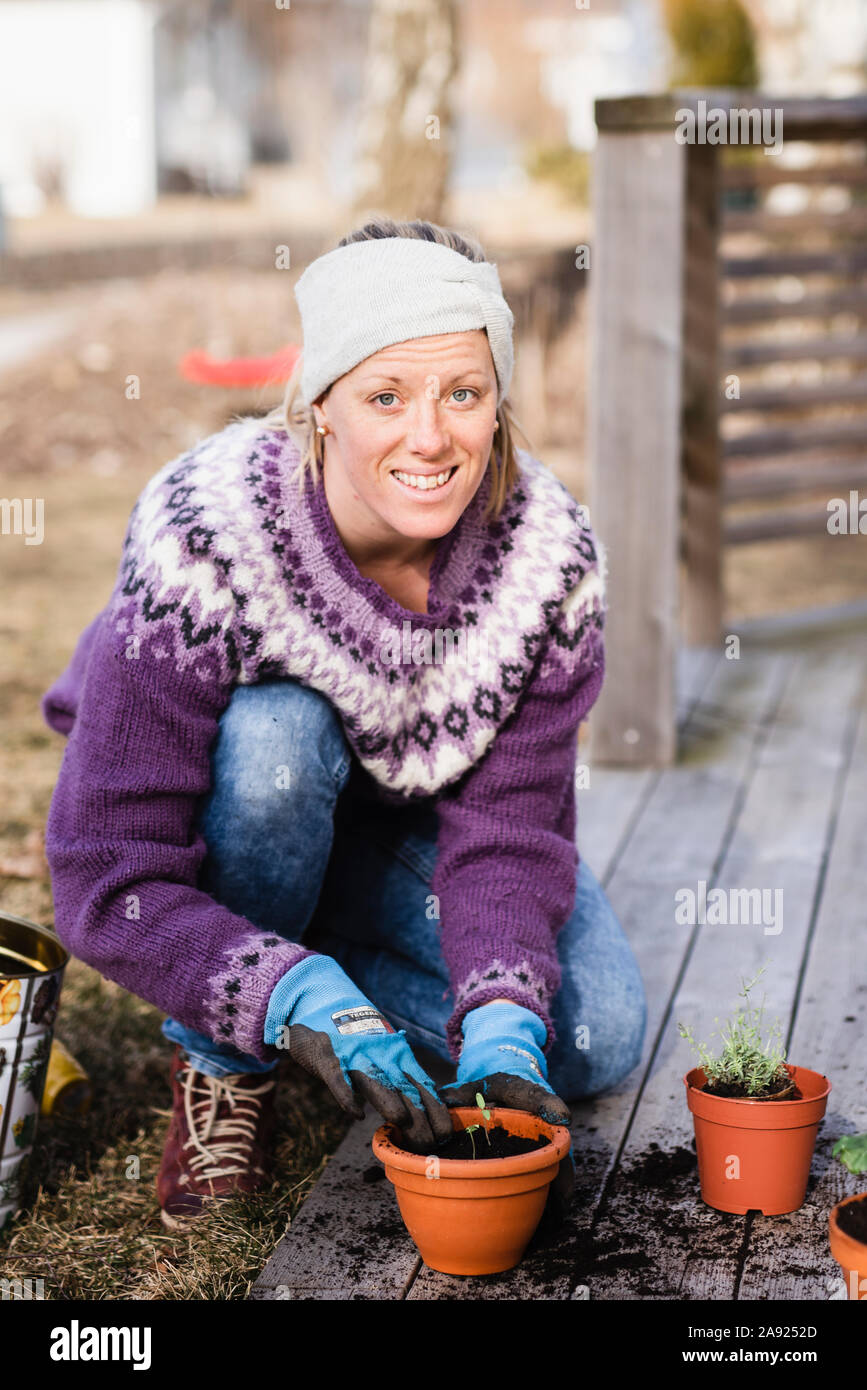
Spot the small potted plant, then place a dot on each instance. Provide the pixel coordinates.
(847, 1223)
(756, 1116)
(471, 1205)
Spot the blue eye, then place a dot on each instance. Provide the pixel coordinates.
(463, 388)
(385, 393)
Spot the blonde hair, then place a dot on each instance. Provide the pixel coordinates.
(298, 421)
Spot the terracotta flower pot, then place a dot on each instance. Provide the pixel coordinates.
(474, 1216)
(756, 1154)
(850, 1254)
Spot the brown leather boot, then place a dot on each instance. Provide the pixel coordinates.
(217, 1140)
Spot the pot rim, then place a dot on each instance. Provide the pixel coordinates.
(791, 1068)
(837, 1229)
(387, 1152)
(46, 938)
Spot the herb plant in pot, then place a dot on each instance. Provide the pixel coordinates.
(847, 1223)
(472, 1205)
(756, 1116)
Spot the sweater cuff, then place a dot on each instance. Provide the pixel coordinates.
(504, 990)
(239, 996)
(531, 981)
(279, 1007)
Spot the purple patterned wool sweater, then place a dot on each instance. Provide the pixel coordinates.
(229, 576)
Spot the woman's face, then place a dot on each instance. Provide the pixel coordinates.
(409, 434)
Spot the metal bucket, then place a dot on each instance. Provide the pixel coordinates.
(32, 962)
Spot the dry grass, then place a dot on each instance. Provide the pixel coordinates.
(90, 1227)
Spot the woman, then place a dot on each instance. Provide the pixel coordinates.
(319, 790)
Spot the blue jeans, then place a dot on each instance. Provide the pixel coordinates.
(300, 843)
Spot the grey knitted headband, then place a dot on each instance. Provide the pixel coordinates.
(370, 294)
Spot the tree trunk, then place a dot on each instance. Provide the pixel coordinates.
(405, 137)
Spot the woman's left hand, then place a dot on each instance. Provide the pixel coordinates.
(502, 1059)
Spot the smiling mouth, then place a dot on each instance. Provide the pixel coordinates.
(425, 482)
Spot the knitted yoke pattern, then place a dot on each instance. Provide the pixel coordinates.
(231, 575)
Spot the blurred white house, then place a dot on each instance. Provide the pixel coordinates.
(106, 102)
(77, 106)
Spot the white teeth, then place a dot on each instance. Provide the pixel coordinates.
(423, 481)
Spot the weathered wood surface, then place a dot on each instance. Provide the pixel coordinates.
(780, 523)
(634, 411)
(751, 480)
(615, 799)
(770, 790)
(840, 262)
(805, 118)
(839, 391)
(850, 300)
(701, 460)
(797, 438)
(765, 173)
(778, 843)
(788, 1257)
(771, 224)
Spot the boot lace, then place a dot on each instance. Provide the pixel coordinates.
(222, 1144)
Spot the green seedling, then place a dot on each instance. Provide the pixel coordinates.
(744, 1059)
(486, 1115)
(852, 1151)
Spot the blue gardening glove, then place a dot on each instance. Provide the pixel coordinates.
(328, 1026)
(502, 1058)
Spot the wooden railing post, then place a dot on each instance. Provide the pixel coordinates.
(658, 472)
(634, 415)
(702, 491)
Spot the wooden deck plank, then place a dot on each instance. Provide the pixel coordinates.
(608, 808)
(788, 1257)
(700, 1255)
(717, 806)
(676, 840)
(347, 1241)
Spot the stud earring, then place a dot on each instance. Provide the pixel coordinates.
(322, 429)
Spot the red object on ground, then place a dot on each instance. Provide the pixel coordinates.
(199, 366)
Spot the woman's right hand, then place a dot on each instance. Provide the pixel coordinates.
(328, 1026)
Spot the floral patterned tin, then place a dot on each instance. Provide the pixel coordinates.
(32, 962)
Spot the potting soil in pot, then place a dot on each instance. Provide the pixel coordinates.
(852, 1218)
(729, 1092)
(502, 1145)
